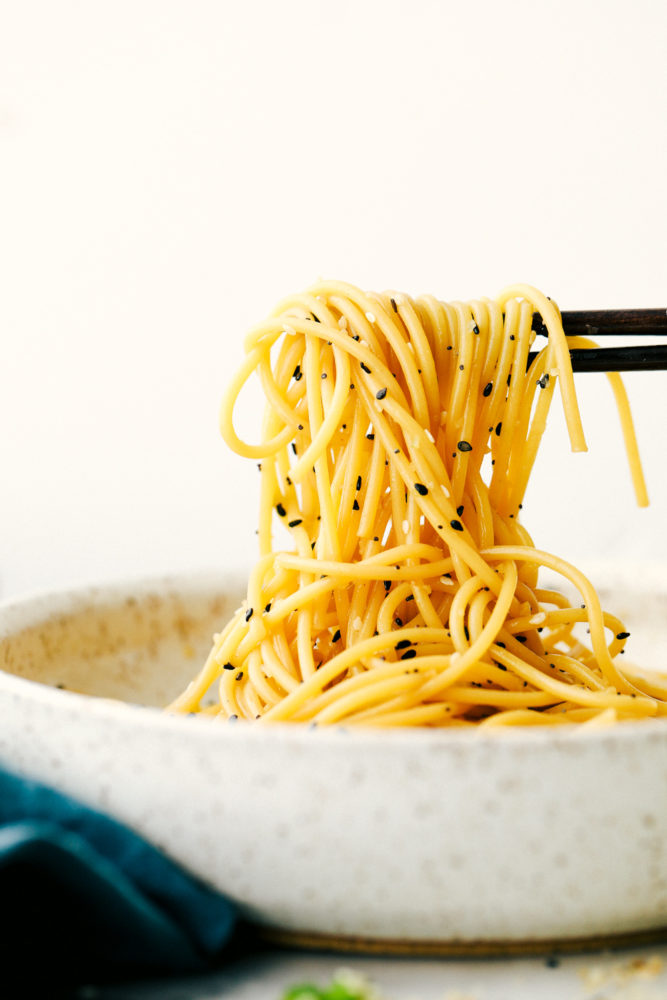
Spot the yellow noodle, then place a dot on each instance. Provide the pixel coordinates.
(397, 443)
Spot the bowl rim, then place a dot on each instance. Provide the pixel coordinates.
(28, 610)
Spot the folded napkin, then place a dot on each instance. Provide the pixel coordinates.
(82, 896)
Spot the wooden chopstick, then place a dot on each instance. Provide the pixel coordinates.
(614, 323)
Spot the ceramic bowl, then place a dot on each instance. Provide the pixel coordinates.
(403, 840)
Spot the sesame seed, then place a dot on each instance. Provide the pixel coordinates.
(622, 635)
(248, 614)
(295, 522)
(421, 489)
(459, 510)
(387, 585)
(370, 317)
(239, 676)
(456, 525)
(403, 644)
(323, 375)
(371, 437)
(393, 305)
(464, 446)
(486, 391)
(409, 654)
(499, 428)
(297, 372)
(280, 510)
(381, 393)
(229, 666)
(365, 368)
(355, 505)
(336, 636)
(267, 607)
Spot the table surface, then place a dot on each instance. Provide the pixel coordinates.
(637, 974)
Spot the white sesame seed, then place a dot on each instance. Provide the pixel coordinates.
(444, 489)
(538, 619)
(370, 317)
(429, 436)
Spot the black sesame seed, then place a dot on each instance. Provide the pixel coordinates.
(456, 525)
(464, 446)
(358, 482)
(387, 584)
(409, 654)
(267, 608)
(486, 391)
(499, 428)
(280, 510)
(239, 676)
(294, 448)
(355, 505)
(314, 317)
(459, 510)
(323, 375)
(371, 437)
(410, 597)
(521, 638)
(461, 367)
(232, 718)
(381, 393)
(336, 636)
(297, 372)
(475, 329)
(248, 614)
(229, 666)
(421, 489)
(365, 368)
(295, 522)
(403, 644)
(393, 305)
(622, 635)
(511, 336)
(398, 621)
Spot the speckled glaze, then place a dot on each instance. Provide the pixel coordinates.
(411, 836)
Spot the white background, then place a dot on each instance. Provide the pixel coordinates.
(168, 170)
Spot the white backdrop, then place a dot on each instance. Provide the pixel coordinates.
(168, 170)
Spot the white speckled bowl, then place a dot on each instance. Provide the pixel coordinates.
(417, 840)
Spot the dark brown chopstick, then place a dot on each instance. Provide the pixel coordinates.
(614, 323)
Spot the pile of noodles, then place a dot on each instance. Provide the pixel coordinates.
(398, 440)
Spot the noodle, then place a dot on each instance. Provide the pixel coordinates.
(397, 443)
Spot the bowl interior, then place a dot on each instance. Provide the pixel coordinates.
(140, 644)
(143, 642)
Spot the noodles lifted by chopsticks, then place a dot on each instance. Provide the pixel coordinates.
(398, 439)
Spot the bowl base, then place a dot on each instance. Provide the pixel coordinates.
(461, 949)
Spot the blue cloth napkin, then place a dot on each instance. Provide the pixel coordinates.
(83, 896)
